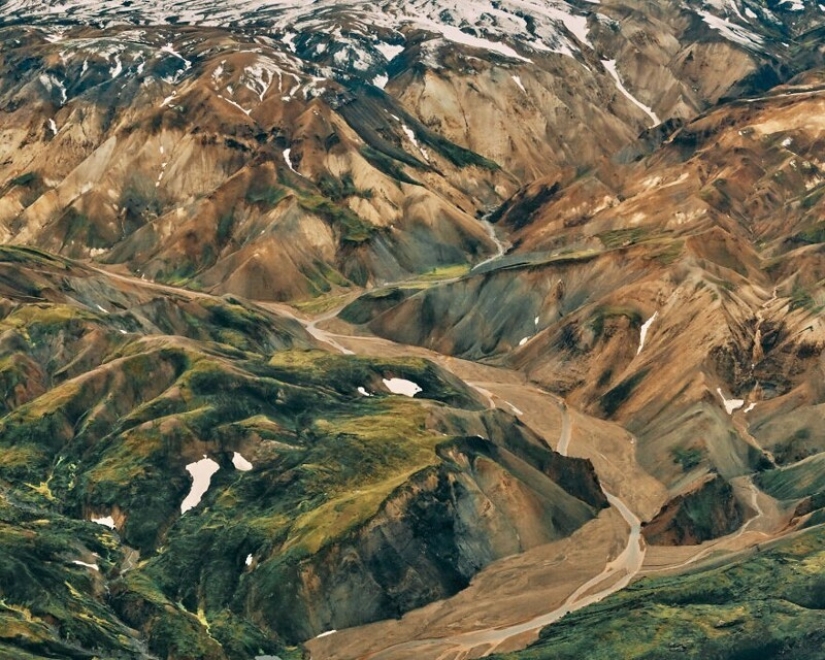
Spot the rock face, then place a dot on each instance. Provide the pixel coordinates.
(708, 511)
(691, 273)
(430, 538)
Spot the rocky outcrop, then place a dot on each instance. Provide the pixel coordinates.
(429, 539)
(707, 511)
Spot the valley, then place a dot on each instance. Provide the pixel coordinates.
(439, 330)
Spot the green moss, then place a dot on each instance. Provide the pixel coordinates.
(801, 298)
(617, 238)
(688, 458)
(351, 228)
(26, 179)
(796, 481)
(266, 196)
(763, 605)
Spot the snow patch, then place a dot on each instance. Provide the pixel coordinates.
(240, 462)
(517, 80)
(52, 83)
(388, 50)
(287, 153)
(402, 386)
(326, 634)
(645, 328)
(731, 405)
(248, 560)
(610, 66)
(106, 521)
(363, 392)
(731, 32)
(52, 127)
(411, 137)
(201, 472)
(117, 69)
(93, 567)
(237, 105)
(168, 100)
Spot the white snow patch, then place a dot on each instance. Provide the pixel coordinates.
(106, 521)
(168, 48)
(402, 386)
(381, 81)
(732, 32)
(388, 50)
(287, 152)
(610, 65)
(787, 142)
(536, 321)
(168, 100)
(411, 137)
(94, 567)
(248, 560)
(237, 105)
(326, 634)
(52, 126)
(750, 407)
(730, 404)
(455, 34)
(201, 472)
(523, 341)
(117, 69)
(517, 80)
(645, 328)
(51, 83)
(103, 309)
(363, 391)
(240, 462)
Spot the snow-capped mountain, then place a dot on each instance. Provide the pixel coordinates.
(511, 28)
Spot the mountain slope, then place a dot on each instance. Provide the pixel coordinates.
(122, 397)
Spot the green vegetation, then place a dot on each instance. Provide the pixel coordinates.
(351, 229)
(26, 179)
(765, 604)
(688, 457)
(267, 196)
(340, 189)
(617, 238)
(606, 313)
(801, 298)
(790, 483)
(112, 435)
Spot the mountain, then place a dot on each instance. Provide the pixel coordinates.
(421, 329)
(115, 389)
